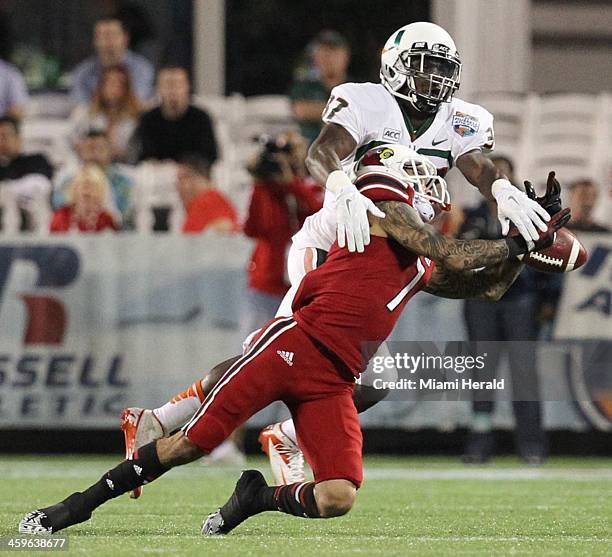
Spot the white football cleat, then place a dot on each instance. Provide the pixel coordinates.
(140, 427)
(31, 524)
(286, 458)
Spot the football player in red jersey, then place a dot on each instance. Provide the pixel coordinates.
(310, 360)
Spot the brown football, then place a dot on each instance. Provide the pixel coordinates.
(564, 255)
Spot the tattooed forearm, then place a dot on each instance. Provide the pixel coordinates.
(405, 226)
(490, 283)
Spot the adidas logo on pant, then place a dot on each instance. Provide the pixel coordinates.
(287, 356)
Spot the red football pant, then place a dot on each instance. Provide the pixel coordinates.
(283, 363)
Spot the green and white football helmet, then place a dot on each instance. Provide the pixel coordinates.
(420, 64)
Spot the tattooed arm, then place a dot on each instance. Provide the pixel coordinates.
(405, 226)
(490, 283)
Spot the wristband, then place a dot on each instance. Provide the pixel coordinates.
(337, 180)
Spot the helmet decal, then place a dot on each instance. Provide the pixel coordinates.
(412, 169)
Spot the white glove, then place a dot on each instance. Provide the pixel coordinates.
(351, 212)
(514, 205)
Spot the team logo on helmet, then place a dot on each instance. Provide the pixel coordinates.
(386, 154)
(464, 124)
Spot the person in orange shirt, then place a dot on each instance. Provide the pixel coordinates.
(89, 207)
(206, 208)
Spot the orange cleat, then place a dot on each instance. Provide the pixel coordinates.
(140, 426)
(286, 458)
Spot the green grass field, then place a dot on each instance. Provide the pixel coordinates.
(407, 506)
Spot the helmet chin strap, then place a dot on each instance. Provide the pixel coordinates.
(416, 105)
(424, 106)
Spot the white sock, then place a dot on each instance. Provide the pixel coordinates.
(176, 413)
(227, 447)
(288, 429)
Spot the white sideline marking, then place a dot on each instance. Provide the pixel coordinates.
(21, 470)
(567, 474)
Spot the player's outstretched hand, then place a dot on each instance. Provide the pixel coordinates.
(551, 200)
(515, 206)
(351, 212)
(518, 246)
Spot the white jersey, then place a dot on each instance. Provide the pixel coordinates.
(373, 117)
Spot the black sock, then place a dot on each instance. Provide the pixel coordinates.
(143, 468)
(297, 499)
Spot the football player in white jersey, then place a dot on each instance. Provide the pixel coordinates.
(414, 106)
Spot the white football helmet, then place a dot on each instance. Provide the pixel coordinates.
(420, 64)
(408, 166)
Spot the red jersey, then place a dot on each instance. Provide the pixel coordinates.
(207, 207)
(356, 298)
(276, 212)
(64, 220)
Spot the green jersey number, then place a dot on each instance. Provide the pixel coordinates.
(333, 106)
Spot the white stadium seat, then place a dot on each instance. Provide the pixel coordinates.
(49, 105)
(566, 135)
(50, 136)
(269, 108)
(156, 188)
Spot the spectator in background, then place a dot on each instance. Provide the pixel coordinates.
(513, 318)
(13, 91)
(111, 41)
(175, 128)
(114, 110)
(206, 208)
(309, 93)
(143, 36)
(95, 148)
(581, 199)
(28, 176)
(282, 198)
(89, 204)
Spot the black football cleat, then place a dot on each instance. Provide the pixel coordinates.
(240, 506)
(54, 518)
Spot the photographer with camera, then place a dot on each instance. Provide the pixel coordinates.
(283, 196)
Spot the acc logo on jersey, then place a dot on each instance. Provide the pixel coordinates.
(391, 134)
(464, 124)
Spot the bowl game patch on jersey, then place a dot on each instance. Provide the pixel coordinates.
(464, 124)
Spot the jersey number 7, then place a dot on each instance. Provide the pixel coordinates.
(338, 104)
(407, 290)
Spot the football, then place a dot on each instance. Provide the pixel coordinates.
(564, 255)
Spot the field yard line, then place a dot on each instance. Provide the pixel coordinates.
(25, 470)
(567, 474)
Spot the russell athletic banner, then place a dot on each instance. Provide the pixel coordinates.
(585, 310)
(89, 325)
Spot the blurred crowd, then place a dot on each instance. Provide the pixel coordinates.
(126, 112)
